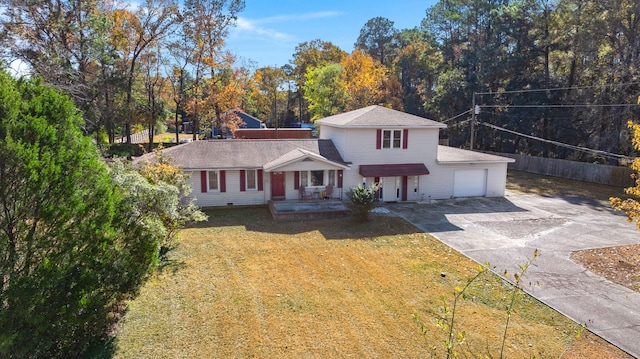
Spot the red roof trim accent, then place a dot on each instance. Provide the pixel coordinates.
(404, 169)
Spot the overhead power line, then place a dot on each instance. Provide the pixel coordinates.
(561, 106)
(560, 144)
(459, 123)
(456, 116)
(555, 89)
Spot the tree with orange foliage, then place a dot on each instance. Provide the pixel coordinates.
(631, 206)
(368, 82)
(216, 88)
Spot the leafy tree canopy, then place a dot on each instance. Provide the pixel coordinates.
(376, 39)
(70, 252)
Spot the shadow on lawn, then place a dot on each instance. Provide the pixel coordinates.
(432, 216)
(258, 219)
(404, 218)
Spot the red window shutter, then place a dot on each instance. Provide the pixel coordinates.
(405, 139)
(223, 181)
(260, 179)
(378, 139)
(203, 182)
(339, 178)
(405, 183)
(296, 179)
(243, 180)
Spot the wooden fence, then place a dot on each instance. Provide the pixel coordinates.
(612, 175)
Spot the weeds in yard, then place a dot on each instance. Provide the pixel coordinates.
(447, 321)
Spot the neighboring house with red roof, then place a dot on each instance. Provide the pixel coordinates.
(370, 145)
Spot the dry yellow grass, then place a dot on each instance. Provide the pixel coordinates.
(244, 286)
(555, 186)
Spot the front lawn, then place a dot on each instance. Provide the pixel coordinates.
(242, 285)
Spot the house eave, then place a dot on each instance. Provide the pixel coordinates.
(382, 126)
(470, 162)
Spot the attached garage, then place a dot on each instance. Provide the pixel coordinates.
(470, 183)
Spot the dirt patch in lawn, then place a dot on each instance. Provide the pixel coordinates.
(618, 264)
(244, 286)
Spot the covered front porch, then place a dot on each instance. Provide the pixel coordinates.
(393, 179)
(304, 175)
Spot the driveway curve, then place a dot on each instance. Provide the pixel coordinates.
(506, 231)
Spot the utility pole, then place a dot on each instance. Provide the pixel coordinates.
(474, 112)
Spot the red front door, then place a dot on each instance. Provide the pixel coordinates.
(277, 185)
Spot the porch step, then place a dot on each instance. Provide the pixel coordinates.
(307, 209)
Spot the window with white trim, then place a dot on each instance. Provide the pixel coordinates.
(317, 178)
(252, 179)
(391, 138)
(213, 180)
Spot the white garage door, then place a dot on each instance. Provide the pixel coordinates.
(470, 183)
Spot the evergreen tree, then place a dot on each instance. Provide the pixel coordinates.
(70, 253)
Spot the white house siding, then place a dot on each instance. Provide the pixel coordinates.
(496, 180)
(359, 147)
(338, 136)
(441, 186)
(232, 195)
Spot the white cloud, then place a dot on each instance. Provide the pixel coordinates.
(256, 28)
(250, 27)
(298, 17)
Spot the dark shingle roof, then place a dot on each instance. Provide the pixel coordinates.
(228, 154)
(378, 116)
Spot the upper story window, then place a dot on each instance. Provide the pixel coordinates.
(392, 139)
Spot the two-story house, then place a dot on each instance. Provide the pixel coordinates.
(370, 145)
(401, 153)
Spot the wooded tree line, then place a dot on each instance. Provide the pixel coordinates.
(565, 70)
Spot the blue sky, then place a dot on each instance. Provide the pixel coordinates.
(268, 31)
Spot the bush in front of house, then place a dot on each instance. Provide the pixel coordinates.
(362, 200)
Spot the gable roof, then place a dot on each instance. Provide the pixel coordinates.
(448, 154)
(249, 121)
(378, 117)
(298, 155)
(236, 154)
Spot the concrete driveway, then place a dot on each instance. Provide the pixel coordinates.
(506, 231)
